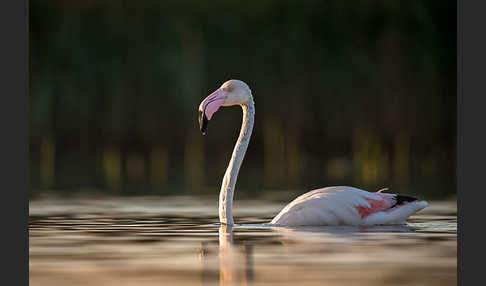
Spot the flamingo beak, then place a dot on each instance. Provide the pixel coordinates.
(209, 106)
(203, 122)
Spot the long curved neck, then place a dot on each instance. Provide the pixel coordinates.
(229, 180)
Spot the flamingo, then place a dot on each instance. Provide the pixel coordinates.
(338, 205)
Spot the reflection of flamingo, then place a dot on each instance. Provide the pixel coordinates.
(231, 268)
(234, 262)
(327, 206)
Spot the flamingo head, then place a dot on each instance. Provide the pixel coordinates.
(232, 92)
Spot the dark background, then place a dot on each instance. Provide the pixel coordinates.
(359, 93)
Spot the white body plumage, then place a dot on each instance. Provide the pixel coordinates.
(341, 205)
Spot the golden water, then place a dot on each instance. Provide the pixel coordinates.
(177, 241)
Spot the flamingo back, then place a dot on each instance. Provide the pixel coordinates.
(344, 205)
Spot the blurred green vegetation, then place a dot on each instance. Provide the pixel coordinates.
(358, 93)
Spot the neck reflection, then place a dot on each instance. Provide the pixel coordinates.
(233, 262)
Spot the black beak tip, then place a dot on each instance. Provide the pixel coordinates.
(203, 122)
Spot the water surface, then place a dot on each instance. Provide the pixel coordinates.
(178, 241)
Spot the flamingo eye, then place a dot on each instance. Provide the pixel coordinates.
(228, 89)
